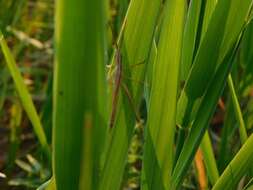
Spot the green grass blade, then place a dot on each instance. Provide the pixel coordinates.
(203, 117)
(235, 23)
(25, 97)
(158, 150)
(209, 159)
(202, 69)
(238, 112)
(237, 168)
(219, 37)
(79, 88)
(210, 7)
(135, 54)
(228, 128)
(149, 73)
(190, 35)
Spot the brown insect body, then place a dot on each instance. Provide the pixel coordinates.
(118, 78)
(118, 84)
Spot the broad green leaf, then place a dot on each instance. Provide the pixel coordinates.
(24, 95)
(135, 44)
(158, 150)
(79, 89)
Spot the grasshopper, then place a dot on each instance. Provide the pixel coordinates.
(118, 84)
(118, 79)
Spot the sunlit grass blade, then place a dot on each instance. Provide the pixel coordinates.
(79, 89)
(149, 73)
(203, 69)
(209, 159)
(237, 168)
(211, 52)
(237, 110)
(135, 54)
(235, 23)
(190, 36)
(158, 150)
(25, 97)
(203, 117)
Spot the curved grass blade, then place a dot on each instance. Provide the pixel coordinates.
(237, 168)
(25, 97)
